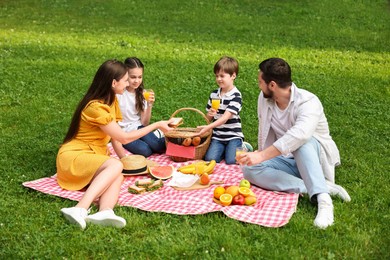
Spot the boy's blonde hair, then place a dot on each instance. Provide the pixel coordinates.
(226, 64)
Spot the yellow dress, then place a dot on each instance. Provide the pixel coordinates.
(79, 159)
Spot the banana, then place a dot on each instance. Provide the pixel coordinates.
(187, 170)
(190, 168)
(186, 166)
(210, 166)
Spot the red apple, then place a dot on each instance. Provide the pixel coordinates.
(238, 200)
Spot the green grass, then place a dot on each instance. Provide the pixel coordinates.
(50, 51)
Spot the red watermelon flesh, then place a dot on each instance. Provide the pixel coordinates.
(161, 172)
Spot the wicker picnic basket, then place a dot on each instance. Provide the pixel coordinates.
(178, 135)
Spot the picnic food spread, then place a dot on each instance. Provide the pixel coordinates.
(161, 172)
(145, 185)
(176, 122)
(235, 195)
(191, 168)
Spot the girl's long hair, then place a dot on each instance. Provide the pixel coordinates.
(132, 63)
(100, 89)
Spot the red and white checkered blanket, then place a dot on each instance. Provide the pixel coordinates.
(272, 209)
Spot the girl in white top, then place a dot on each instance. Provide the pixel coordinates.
(136, 113)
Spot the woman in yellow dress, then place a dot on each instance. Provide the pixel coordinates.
(83, 160)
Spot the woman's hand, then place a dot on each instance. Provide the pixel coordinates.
(164, 125)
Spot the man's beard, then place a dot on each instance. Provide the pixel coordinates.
(270, 93)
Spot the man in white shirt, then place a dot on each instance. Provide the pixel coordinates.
(296, 152)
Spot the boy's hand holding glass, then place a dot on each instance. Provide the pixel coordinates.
(212, 113)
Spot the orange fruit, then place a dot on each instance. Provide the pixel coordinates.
(196, 141)
(218, 192)
(204, 179)
(226, 199)
(244, 191)
(187, 141)
(232, 190)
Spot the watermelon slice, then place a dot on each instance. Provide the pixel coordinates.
(161, 172)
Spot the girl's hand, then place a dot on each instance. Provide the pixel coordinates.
(151, 99)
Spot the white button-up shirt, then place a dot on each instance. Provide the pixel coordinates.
(307, 119)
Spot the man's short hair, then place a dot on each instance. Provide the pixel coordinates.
(276, 69)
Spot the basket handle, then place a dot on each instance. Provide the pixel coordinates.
(191, 109)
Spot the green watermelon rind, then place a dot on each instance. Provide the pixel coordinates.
(157, 174)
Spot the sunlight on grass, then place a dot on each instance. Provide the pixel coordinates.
(50, 51)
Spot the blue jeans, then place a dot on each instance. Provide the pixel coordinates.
(146, 145)
(301, 174)
(219, 150)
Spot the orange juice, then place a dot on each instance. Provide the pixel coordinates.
(239, 151)
(147, 94)
(215, 103)
(199, 168)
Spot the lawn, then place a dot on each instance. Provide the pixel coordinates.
(50, 50)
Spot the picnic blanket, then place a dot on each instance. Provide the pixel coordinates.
(272, 209)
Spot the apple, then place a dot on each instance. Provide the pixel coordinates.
(245, 183)
(250, 200)
(238, 200)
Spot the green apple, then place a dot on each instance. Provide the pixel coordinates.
(245, 183)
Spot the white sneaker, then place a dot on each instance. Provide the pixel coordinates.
(324, 216)
(106, 218)
(337, 190)
(76, 216)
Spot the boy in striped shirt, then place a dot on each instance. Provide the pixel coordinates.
(225, 120)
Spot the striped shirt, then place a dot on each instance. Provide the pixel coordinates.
(232, 102)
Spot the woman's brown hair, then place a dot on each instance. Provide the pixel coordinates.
(100, 89)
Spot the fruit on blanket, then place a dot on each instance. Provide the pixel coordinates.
(232, 190)
(250, 200)
(218, 191)
(161, 172)
(238, 200)
(187, 141)
(245, 183)
(252, 194)
(204, 179)
(191, 168)
(210, 166)
(196, 141)
(199, 168)
(187, 169)
(226, 199)
(244, 191)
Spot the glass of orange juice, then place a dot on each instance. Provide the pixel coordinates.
(240, 151)
(147, 93)
(199, 168)
(215, 103)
